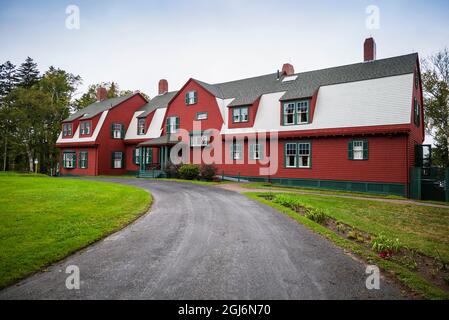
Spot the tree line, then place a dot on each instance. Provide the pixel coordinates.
(32, 107)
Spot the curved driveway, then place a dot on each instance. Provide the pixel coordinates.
(202, 242)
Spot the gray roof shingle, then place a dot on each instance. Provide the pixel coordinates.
(160, 101)
(246, 91)
(95, 108)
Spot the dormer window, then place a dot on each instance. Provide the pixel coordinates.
(240, 114)
(67, 130)
(191, 97)
(297, 112)
(141, 126)
(85, 127)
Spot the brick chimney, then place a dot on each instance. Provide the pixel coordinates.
(287, 69)
(369, 48)
(102, 94)
(163, 86)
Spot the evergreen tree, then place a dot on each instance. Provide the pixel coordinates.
(8, 78)
(27, 73)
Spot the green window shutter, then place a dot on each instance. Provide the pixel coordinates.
(285, 155)
(251, 151)
(87, 160)
(122, 133)
(365, 150)
(195, 97)
(350, 151)
(123, 160)
(112, 130)
(187, 98)
(74, 160)
(310, 148)
(112, 160)
(308, 112)
(282, 113)
(177, 123)
(168, 125)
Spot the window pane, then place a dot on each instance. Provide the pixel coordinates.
(244, 114)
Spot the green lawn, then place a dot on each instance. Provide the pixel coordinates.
(273, 186)
(424, 229)
(44, 219)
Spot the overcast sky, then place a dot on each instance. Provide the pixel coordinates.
(136, 43)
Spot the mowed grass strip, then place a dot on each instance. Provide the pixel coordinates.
(45, 219)
(425, 229)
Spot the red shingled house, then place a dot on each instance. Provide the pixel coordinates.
(352, 127)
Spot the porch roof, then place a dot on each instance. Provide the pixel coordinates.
(165, 140)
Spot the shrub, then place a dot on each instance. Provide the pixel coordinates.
(316, 215)
(189, 171)
(385, 246)
(172, 170)
(208, 172)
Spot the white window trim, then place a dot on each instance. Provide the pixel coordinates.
(359, 145)
(141, 129)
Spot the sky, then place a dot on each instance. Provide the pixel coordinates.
(135, 43)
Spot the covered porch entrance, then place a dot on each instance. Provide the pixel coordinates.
(148, 167)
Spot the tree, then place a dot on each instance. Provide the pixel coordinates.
(436, 101)
(27, 73)
(8, 78)
(113, 91)
(8, 81)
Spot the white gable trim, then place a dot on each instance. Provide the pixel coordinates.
(153, 131)
(76, 137)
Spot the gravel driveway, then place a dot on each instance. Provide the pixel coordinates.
(201, 242)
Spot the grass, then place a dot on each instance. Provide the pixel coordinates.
(43, 219)
(425, 229)
(265, 185)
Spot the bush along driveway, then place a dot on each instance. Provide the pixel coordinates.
(409, 241)
(203, 242)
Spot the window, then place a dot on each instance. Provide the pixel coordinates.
(136, 156)
(296, 112)
(236, 151)
(117, 160)
(191, 97)
(240, 114)
(148, 155)
(83, 162)
(67, 129)
(255, 151)
(298, 155)
(172, 124)
(290, 155)
(358, 150)
(85, 127)
(302, 112)
(199, 140)
(416, 112)
(141, 126)
(201, 115)
(304, 155)
(69, 159)
(117, 130)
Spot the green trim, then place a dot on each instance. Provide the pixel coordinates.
(298, 142)
(195, 98)
(83, 164)
(202, 112)
(398, 189)
(240, 114)
(295, 112)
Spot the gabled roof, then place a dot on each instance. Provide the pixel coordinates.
(160, 101)
(98, 107)
(246, 91)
